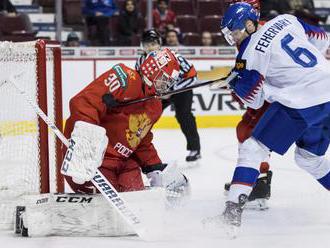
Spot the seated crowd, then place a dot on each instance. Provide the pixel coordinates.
(121, 22)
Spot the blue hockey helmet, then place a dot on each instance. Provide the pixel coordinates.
(235, 17)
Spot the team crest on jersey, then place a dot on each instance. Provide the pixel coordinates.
(121, 75)
(240, 64)
(131, 74)
(138, 127)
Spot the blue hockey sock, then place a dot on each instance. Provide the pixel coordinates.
(245, 176)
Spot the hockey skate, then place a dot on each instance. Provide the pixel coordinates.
(193, 155)
(233, 211)
(192, 159)
(232, 216)
(258, 199)
(20, 229)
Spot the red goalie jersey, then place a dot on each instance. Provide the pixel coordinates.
(128, 127)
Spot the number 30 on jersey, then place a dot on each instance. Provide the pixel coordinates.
(112, 82)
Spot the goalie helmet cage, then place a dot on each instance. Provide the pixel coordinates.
(30, 154)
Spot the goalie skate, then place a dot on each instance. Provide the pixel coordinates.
(19, 225)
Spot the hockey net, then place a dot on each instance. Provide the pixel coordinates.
(30, 153)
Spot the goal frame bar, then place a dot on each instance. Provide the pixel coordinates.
(41, 68)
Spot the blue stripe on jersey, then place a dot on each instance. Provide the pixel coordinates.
(243, 46)
(245, 175)
(313, 31)
(325, 181)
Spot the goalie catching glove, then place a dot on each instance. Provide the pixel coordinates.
(175, 183)
(85, 153)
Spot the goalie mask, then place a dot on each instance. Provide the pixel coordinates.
(160, 69)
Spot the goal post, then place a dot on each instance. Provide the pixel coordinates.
(46, 65)
(30, 153)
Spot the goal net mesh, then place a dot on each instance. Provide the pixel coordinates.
(22, 140)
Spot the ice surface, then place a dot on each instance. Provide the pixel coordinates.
(298, 215)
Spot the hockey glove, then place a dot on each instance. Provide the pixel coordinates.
(109, 101)
(85, 154)
(175, 183)
(246, 84)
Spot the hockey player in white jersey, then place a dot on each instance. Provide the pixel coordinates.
(282, 63)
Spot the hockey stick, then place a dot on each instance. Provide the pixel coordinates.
(99, 181)
(219, 83)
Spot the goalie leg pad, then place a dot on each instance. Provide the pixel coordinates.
(71, 215)
(86, 215)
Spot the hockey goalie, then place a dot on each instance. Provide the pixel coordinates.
(115, 138)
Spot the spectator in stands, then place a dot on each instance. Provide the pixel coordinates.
(172, 38)
(163, 16)
(272, 8)
(97, 14)
(207, 39)
(130, 23)
(7, 7)
(308, 17)
(72, 40)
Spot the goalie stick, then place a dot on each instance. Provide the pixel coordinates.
(99, 181)
(219, 83)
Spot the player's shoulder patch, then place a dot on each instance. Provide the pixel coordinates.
(121, 75)
(240, 64)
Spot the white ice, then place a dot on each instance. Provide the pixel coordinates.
(298, 215)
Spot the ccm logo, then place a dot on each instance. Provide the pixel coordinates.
(68, 156)
(123, 150)
(43, 200)
(74, 199)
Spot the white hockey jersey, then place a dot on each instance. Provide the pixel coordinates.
(284, 62)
